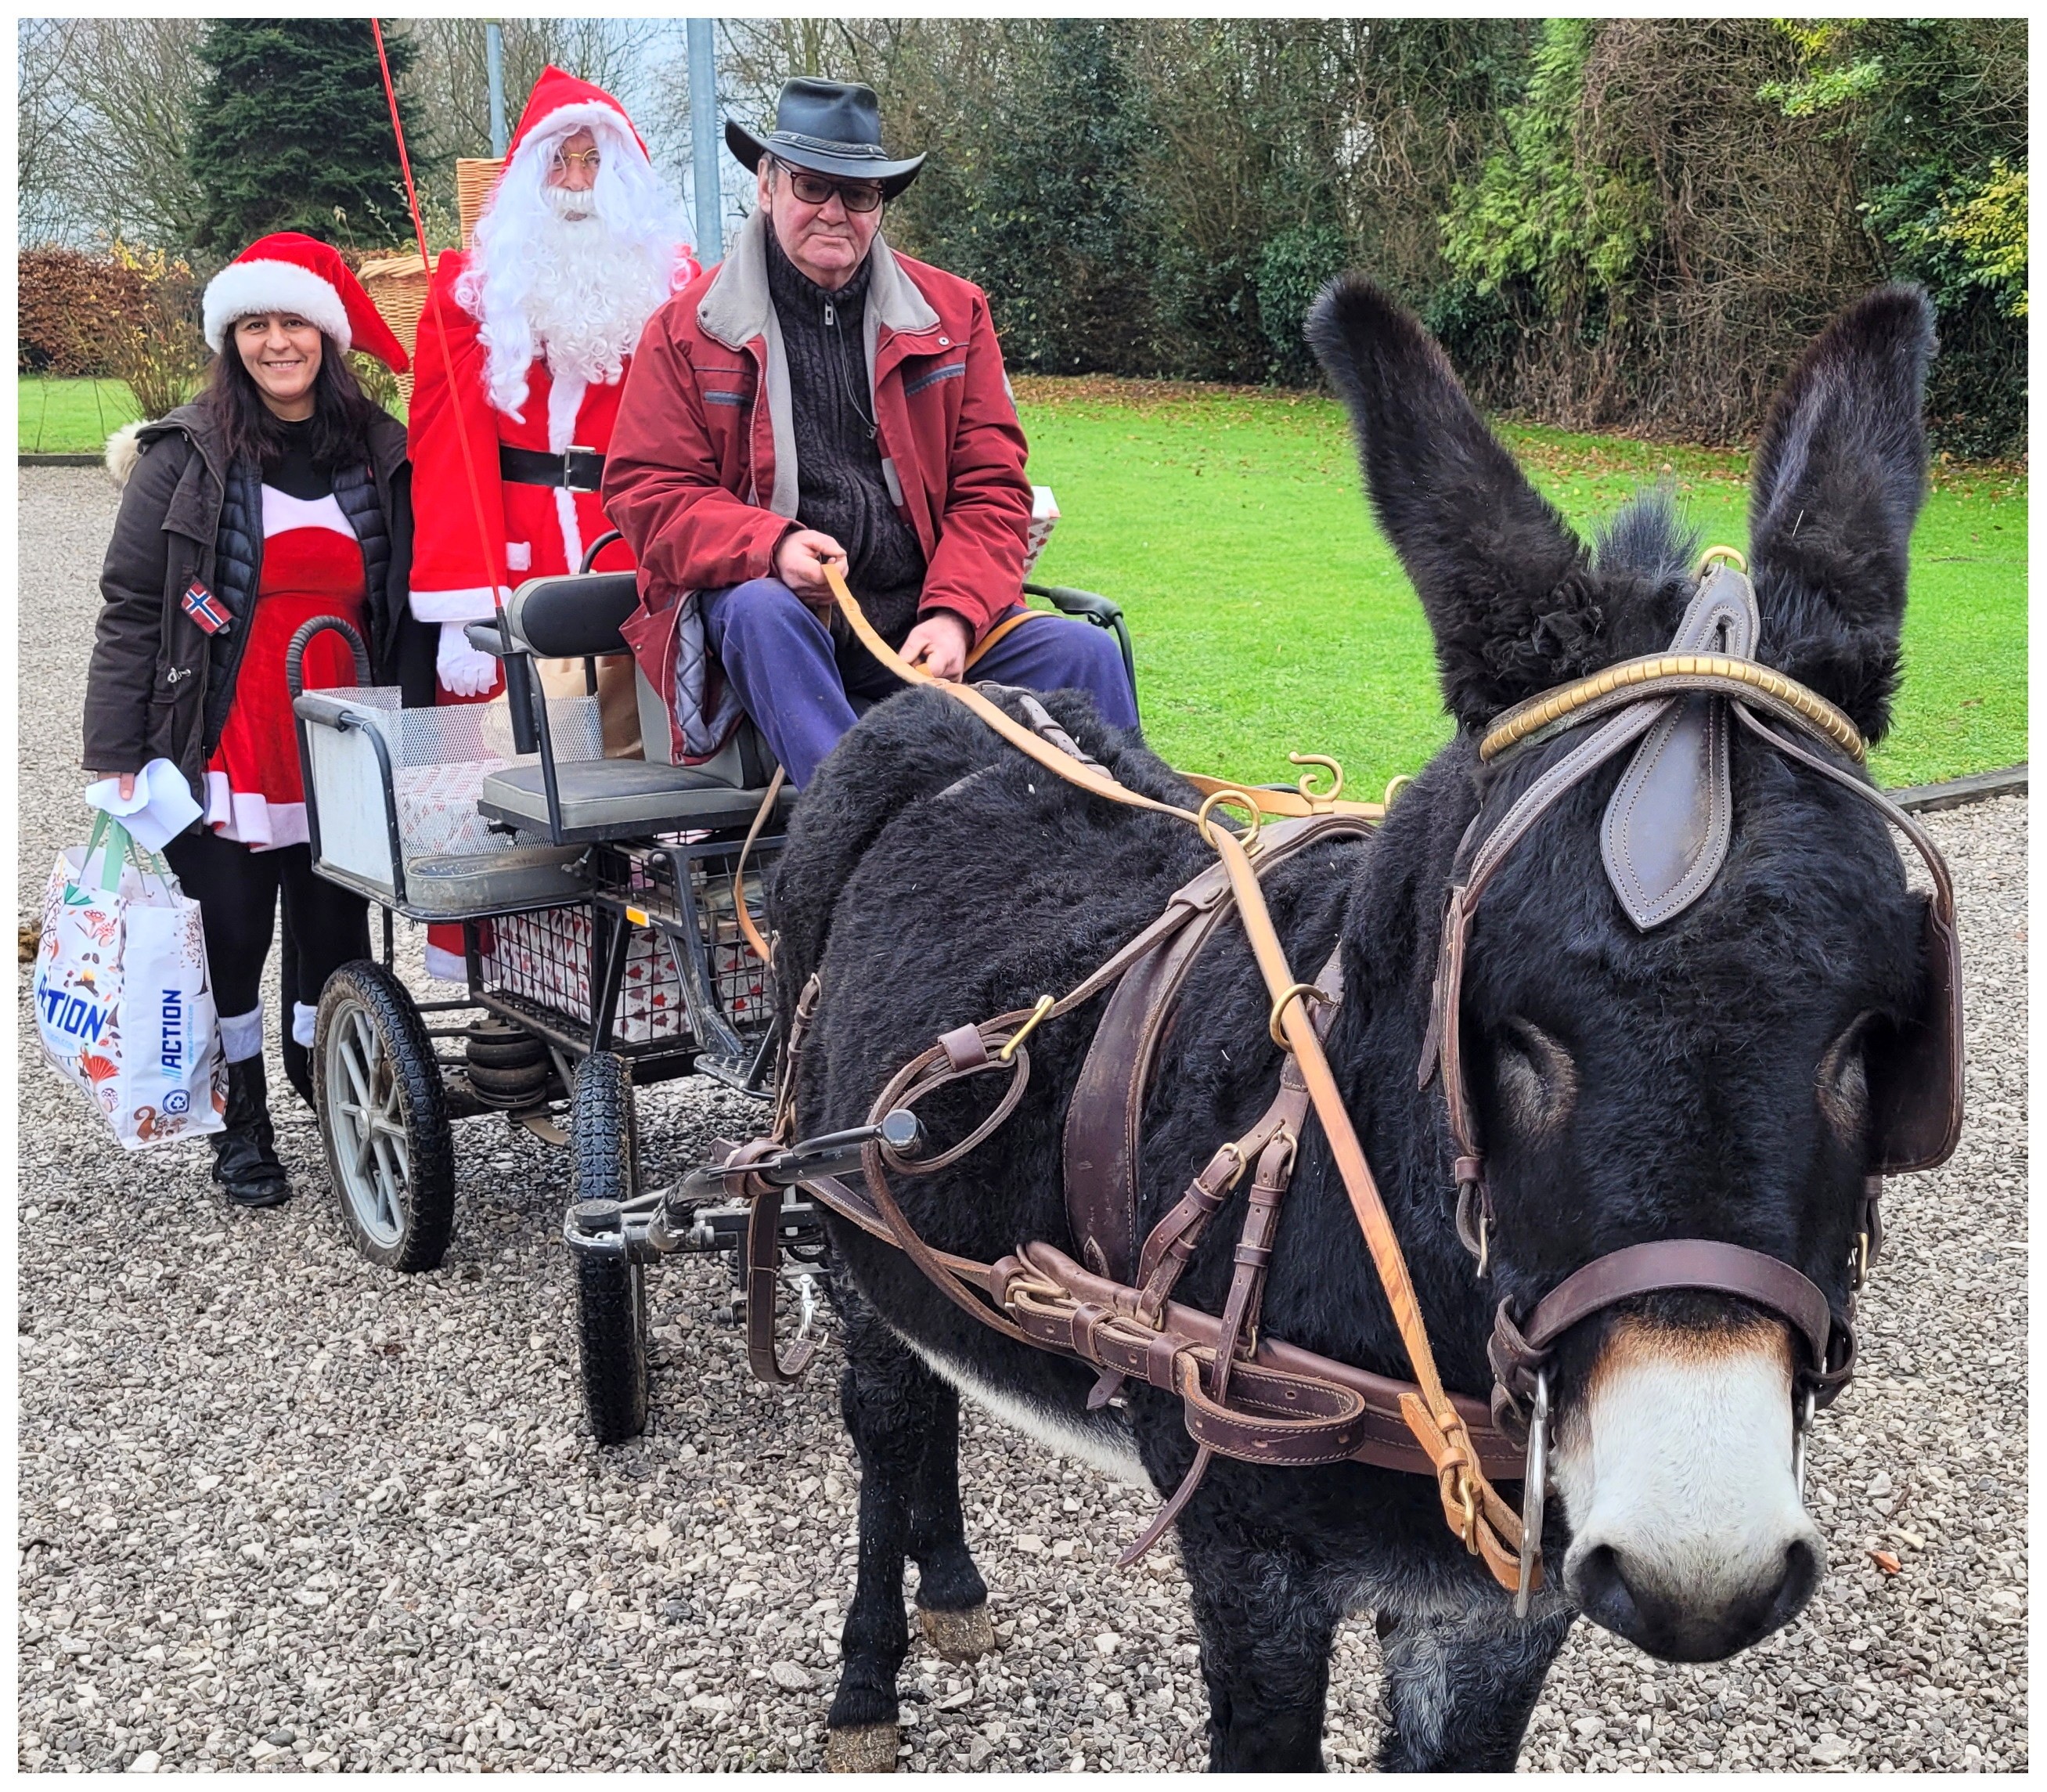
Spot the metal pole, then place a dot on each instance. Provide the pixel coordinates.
(704, 139)
(494, 60)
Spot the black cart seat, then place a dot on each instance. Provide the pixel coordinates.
(579, 617)
(618, 799)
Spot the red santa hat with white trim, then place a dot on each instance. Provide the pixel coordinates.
(289, 272)
(561, 102)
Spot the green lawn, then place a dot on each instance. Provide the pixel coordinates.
(1268, 612)
(70, 416)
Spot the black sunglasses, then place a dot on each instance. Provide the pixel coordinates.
(815, 189)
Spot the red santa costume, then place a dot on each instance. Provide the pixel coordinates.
(522, 345)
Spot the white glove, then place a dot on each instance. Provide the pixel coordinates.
(466, 671)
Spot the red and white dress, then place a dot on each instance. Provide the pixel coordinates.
(312, 566)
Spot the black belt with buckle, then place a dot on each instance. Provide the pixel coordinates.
(580, 469)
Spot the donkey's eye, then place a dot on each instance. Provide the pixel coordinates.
(1841, 1083)
(1538, 1082)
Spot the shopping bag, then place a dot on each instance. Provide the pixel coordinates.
(123, 1003)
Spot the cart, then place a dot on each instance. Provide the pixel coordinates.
(603, 946)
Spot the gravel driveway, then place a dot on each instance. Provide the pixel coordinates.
(280, 1508)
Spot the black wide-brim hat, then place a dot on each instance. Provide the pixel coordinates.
(828, 127)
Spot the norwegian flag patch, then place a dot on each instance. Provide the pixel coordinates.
(205, 608)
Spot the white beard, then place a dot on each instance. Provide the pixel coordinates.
(553, 274)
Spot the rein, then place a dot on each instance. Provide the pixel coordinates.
(1262, 1401)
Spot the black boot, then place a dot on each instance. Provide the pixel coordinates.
(298, 1069)
(245, 1161)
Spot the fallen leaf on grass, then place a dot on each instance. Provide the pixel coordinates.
(1885, 1560)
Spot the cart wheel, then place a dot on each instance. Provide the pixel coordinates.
(383, 1117)
(611, 1291)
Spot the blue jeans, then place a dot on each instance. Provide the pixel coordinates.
(778, 655)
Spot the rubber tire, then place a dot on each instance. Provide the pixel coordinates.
(611, 1292)
(429, 1218)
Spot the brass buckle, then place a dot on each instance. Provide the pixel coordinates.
(1859, 1262)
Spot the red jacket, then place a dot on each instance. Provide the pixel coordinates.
(701, 476)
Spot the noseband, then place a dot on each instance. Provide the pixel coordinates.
(1666, 834)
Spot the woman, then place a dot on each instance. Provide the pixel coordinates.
(281, 493)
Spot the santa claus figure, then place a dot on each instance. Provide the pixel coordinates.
(579, 243)
(521, 346)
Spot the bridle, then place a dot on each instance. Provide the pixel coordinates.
(1668, 707)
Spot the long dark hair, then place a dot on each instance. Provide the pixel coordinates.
(252, 432)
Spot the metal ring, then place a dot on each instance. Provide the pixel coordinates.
(1740, 564)
(1279, 1002)
(1398, 782)
(1535, 1489)
(1236, 799)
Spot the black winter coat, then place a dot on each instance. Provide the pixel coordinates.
(159, 686)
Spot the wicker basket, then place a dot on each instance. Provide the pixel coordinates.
(397, 285)
(474, 176)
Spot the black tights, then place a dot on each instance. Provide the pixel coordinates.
(237, 890)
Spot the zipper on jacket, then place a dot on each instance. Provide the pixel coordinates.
(845, 379)
(245, 626)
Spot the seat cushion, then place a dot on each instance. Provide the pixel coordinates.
(614, 799)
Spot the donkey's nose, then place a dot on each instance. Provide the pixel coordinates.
(1676, 1624)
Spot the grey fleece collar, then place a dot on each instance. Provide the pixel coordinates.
(737, 307)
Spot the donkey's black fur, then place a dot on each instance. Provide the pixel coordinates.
(934, 876)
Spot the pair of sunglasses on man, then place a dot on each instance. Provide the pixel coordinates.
(815, 189)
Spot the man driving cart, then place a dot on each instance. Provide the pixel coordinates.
(820, 399)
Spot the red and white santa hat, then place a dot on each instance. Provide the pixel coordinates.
(561, 102)
(290, 272)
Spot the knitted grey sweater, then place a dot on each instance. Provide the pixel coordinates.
(839, 486)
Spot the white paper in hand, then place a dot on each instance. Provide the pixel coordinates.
(161, 808)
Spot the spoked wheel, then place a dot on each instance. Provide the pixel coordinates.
(383, 1115)
(611, 1291)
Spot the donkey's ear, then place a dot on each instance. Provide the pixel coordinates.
(1840, 473)
(1505, 584)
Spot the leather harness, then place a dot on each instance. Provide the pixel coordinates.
(1254, 1398)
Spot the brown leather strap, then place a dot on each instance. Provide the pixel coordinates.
(761, 948)
(1003, 628)
(1105, 1117)
(1290, 803)
(1044, 1289)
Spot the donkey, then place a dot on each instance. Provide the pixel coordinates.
(1702, 1079)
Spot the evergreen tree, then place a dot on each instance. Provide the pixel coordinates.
(291, 129)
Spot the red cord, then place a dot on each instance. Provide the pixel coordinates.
(491, 548)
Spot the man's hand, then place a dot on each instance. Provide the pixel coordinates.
(941, 641)
(127, 786)
(800, 561)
